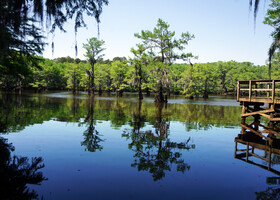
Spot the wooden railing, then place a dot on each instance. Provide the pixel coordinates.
(261, 91)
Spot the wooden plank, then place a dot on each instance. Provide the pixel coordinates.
(259, 89)
(258, 100)
(256, 132)
(250, 90)
(258, 146)
(275, 119)
(238, 90)
(257, 113)
(270, 131)
(273, 90)
(247, 152)
(265, 115)
(260, 157)
(267, 94)
(262, 81)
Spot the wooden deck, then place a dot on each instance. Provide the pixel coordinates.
(259, 99)
(259, 91)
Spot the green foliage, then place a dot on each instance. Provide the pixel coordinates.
(200, 79)
(137, 72)
(93, 54)
(103, 77)
(51, 76)
(94, 48)
(162, 43)
(273, 19)
(21, 25)
(119, 76)
(74, 74)
(165, 49)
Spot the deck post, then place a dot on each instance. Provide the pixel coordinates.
(267, 87)
(235, 149)
(273, 90)
(247, 151)
(269, 157)
(238, 90)
(250, 90)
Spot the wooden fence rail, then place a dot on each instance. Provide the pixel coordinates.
(259, 91)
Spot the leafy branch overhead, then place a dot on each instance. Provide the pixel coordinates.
(22, 24)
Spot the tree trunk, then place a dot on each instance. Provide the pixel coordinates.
(159, 97)
(74, 84)
(119, 93)
(92, 80)
(148, 92)
(140, 95)
(99, 90)
(205, 95)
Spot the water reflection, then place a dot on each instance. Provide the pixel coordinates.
(154, 152)
(19, 111)
(267, 145)
(273, 190)
(92, 138)
(258, 151)
(16, 172)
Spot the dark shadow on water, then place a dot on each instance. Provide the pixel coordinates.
(16, 172)
(153, 150)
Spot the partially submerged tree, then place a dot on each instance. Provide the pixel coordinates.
(140, 60)
(166, 49)
(93, 48)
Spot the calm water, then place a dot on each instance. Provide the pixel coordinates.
(73, 148)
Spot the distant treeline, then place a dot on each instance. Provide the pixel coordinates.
(119, 75)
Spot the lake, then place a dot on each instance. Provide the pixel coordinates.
(59, 146)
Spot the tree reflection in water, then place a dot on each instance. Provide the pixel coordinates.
(92, 137)
(269, 194)
(154, 152)
(272, 192)
(16, 172)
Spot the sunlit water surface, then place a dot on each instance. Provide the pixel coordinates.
(118, 148)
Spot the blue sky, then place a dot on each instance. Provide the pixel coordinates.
(224, 29)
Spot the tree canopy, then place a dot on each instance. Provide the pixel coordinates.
(93, 48)
(165, 49)
(273, 19)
